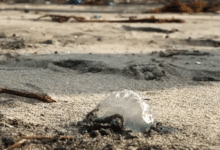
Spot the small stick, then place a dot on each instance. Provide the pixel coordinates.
(16, 144)
(25, 138)
(47, 137)
(6, 125)
(42, 98)
(62, 19)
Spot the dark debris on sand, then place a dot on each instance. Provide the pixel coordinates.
(196, 6)
(93, 133)
(12, 43)
(145, 71)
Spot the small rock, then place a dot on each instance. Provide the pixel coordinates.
(148, 76)
(96, 16)
(26, 11)
(99, 39)
(48, 42)
(162, 54)
(151, 42)
(94, 133)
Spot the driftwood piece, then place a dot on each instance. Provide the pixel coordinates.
(16, 144)
(152, 19)
(61, 19)
(25, 138)
(61, 137)
(42, 98)
(56, 18)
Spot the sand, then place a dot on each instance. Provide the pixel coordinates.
(82, 62)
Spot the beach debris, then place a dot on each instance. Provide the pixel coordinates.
(144, 71)
(122, 109)
(95, 2)
(152, 19)
(56, 18)
(16, 144)
(96, 16)
(149, 29)
(198, 63)
(172, 52)
(25, 138)
(196, 6)
(205, 78)
(92, 124)
(47, 42)
(42, 98)
(61, 19)
(124, 113)
(26, 10)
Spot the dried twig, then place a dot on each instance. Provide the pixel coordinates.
(25, 138)
(42, 98)
(16, 144)
(47, 137)
(56, 18)
(61, 19)
(6, 125)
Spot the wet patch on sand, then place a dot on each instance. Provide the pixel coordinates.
(149, 29)
(139, 72)
(85, 66)
(173, 52)
(202, 42)
(151, 70)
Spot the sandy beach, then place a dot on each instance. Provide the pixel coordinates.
(175, 66)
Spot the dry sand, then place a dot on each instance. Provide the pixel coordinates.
(112, 57)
